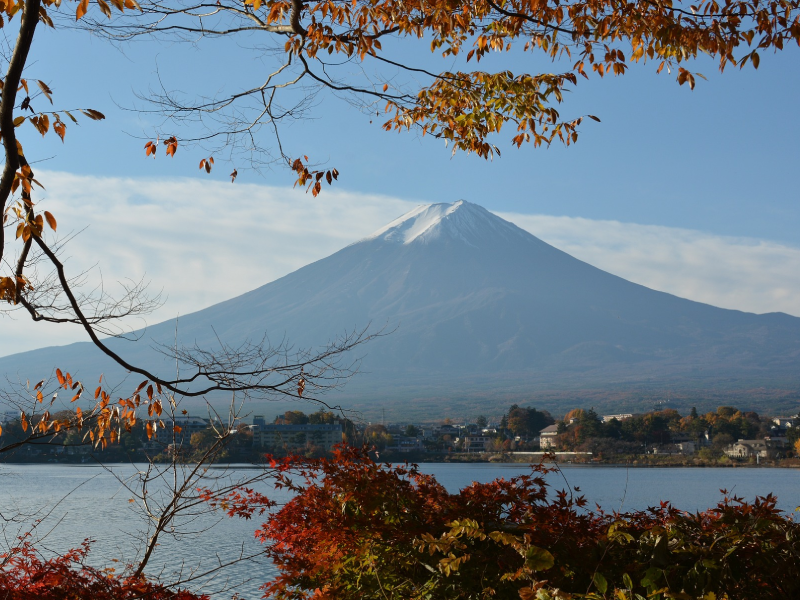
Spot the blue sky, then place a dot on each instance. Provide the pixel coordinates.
(692, 192)
(722, 158)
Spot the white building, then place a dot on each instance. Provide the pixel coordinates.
(292, 437)
(766, 448)
(474, 443)
(547, 437)
(785, 422)
(619, 417)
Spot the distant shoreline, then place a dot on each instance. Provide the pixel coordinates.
(454, 459)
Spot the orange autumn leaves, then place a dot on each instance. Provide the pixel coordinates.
(102, 423)
(26, 574)
(355, 529)
(120, 5)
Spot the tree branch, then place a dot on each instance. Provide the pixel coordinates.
(30, 18)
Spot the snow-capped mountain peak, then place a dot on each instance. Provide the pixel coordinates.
(456, 220)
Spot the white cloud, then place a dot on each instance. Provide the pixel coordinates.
(741, 273)
(203, 242)
(200, 242)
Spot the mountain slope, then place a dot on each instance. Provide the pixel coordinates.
(468, 297)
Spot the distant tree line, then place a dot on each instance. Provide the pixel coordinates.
(584, 430)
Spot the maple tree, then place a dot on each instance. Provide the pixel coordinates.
(26, 575)
(359, 529)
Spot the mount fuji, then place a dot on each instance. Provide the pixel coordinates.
(477, 305)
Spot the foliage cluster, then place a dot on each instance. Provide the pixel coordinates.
(582, 428)
(526, 422)
(358, 529)
(26, 575)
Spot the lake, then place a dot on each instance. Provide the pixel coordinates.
(88, 502)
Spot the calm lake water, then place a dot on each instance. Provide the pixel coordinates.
(87, 502)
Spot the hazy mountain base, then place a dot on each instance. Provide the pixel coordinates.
(418, 401)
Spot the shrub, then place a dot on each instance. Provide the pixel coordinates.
(359, 530)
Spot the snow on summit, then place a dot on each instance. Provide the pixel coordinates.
(460, 220)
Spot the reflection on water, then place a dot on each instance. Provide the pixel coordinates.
(88, 502)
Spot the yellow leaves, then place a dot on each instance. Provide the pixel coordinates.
(41, 123)
(451, 564)
(150, 148)
(504, 538)
(23, 421)
(18, 121)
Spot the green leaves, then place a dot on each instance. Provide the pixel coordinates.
(600, 582)
(538, 559)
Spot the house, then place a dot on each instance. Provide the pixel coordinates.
(292, 437)
(547, 437)
(446, 430)
(785, 422)
(766, 448)
(619, 417)
(404, 443)
(474, 443)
